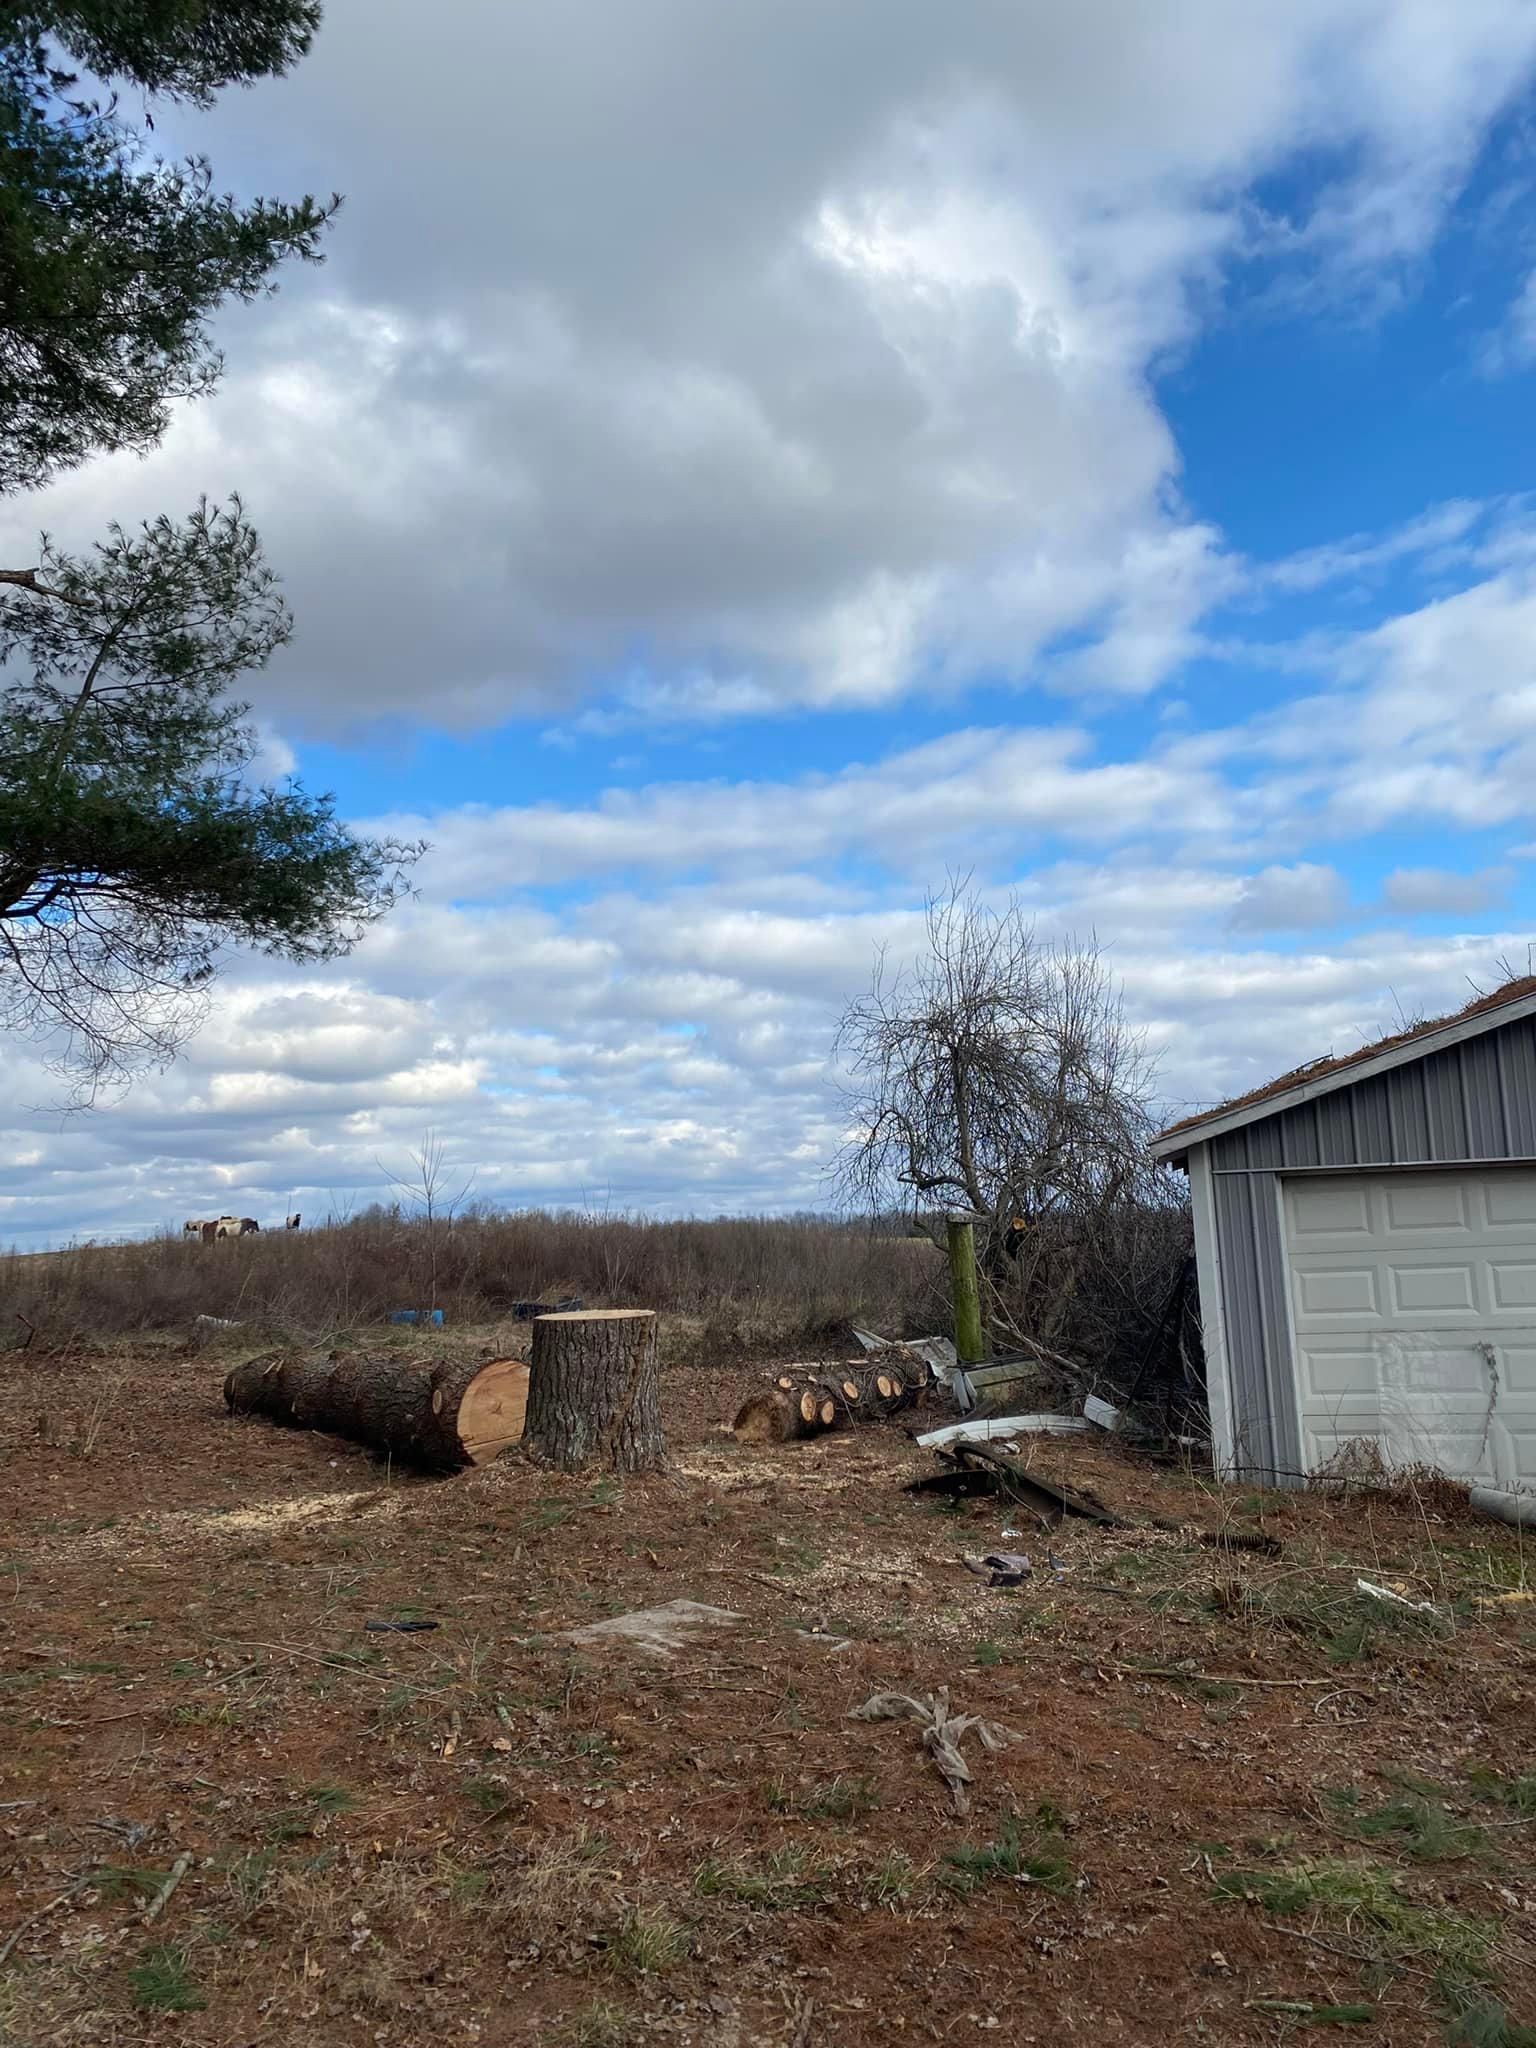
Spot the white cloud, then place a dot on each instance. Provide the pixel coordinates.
(778, 354)
(1444, 891)
(1513, 345)
(671, 1053)
(1290, 899)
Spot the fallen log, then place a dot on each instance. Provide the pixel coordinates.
(778, 1417)
(441, 1416)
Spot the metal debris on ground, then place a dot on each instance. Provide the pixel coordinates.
(1000, 1567)
(1002, 1426)
(977, 1469)
(1101, 1412)
(938, 1351)
(1386, 1593)
(942, 1734)
(658, 1631)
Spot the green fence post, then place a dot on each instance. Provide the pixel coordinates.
(970, 1338)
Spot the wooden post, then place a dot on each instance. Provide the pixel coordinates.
(593, 1394)
(970, 1338)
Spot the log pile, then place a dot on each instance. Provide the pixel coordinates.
(440, 1416)
(809, 1400)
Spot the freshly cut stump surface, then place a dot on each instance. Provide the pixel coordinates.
(593, 1394)
(441, 1416)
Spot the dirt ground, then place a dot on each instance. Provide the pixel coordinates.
(1234, 1799)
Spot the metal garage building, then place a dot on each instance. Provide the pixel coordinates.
(1365, 1233)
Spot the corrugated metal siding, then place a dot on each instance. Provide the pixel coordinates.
(1245, 1298)
(1474, 1101)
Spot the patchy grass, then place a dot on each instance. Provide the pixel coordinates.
(893, 1881)
(1368, 1902)
(162, 1982)
(1414, 1824)
(1486, 2023)
(785, 1877)
(601, 2024)
(1518, 1794)
(363, 1885)
(647, 1944)
(843, 1799)
(1008, 1855)
(491, 1795)
(1306, 2014)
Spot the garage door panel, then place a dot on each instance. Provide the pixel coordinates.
(1330, 1210)
(1327, 1290)
(1338, 1369)
(1517, 1366)
(1513, 1282)
(1418, 1289)
(1516, 1456)
(1413, 1300)
(1322, 1442)
(1450, 1363)
(1414, 1206)
(1509, 1201)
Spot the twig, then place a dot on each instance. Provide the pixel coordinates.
(1207, 1677)
(312, 1657)
(31, 1329)
(736, 1571)
(244, 1671)
(1350, 1955)
(178, 1871)
(800, 2038)
(42, 1913)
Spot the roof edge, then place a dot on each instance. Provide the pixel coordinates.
(1171, 1145)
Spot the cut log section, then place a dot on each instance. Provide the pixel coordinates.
(806, 1400)
(593, 1393)
(777, 1417)
(441, 1416)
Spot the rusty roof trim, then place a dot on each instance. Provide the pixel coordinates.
(1322, 1076)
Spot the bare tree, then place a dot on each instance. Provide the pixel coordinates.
(998, 1073)
(425, 1183)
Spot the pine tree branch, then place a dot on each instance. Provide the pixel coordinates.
(26, 579)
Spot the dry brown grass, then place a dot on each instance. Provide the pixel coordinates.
(752, 1283)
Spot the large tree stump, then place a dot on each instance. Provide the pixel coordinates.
(441, 1416)
(593, 1393)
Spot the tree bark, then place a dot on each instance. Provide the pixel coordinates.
(777, 1417)
(441, 1417)
(593, 1393)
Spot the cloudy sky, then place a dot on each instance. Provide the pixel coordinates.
(739, 464)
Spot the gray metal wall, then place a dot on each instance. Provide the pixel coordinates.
(1473, 1101)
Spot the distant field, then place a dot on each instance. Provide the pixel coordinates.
(750, 1282)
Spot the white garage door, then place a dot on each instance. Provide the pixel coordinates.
(1413, 1304)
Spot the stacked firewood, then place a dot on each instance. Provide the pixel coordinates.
(808, 1400)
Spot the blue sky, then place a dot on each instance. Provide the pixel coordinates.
(736, 468)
